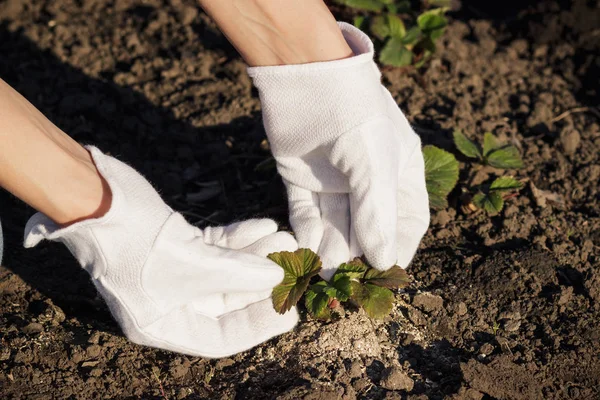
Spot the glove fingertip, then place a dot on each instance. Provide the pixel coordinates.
(265, 226)
(285, 241)
(382, 258)
(308, 234)
(275, 242)
(260, 274)
(329, 266)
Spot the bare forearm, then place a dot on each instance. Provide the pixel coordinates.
(276, 32)
(43, 166)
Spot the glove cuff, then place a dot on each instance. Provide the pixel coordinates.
(309, 105)
(126, 231)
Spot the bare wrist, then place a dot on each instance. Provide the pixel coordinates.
(89, 195)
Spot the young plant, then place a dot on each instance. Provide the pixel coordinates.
(354, 282)
(492, 199)
(401, 46)
(493, 153)
(441, 175)
(299, 267)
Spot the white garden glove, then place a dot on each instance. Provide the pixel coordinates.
(155, 270)
(254, 236)
(351, 163)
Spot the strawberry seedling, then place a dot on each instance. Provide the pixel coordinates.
(400, 47)
(495, 154)
(492, 153)
(353, 282)
(492, 199)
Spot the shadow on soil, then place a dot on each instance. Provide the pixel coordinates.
(124, 123)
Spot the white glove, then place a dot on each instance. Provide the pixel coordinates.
(253, 236)
(352, 164)
(159, 274)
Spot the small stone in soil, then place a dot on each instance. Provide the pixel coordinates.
(394, 378)
(355, 370)
(407, 339)
(89, 364)
(570, 139)
(486, 349)
(94, 338)
(461, 309)
(33, 328)
(224, 363)
(512, 325)
(512, 315)
(416, 317)
(93, 351)
(361, 384)
(179, 371)
(428, 302)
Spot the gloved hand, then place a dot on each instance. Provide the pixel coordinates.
(253, 236)
(160, 275)
(351, 163)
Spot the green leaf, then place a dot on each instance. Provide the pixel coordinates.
(491, 202)
(392, 8)
(320, 294)
(393, 278)
(358, 21)
(354, 269)
(505, 184)
(367, 5)
(316, 301)
(394, 53)
(413, 35)
(299, 267)
(342, 286)
(377, 301)
(436, 34)
(465, 145)
(432, 20)
(507, 157)
(428, 45)
(396, 26)
(490, 143)
(380, 27)
(500, 155)
(441, 175)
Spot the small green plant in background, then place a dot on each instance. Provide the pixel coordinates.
(492, 153)
(495, 328)
(401, 46)
(491, 199)
(353, 282)
(442, 170)
(495, 154)
(441, 175)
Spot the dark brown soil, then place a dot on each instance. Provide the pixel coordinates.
(500, 308)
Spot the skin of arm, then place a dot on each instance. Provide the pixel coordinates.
(278, 32)
(44, 167)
